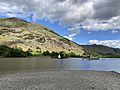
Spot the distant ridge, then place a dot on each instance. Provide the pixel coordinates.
(101, 50)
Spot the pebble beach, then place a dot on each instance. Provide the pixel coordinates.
(60, 80)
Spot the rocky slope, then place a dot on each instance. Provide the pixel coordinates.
(18, 33)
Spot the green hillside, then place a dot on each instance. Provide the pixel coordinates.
(102, 51)
(33, 37)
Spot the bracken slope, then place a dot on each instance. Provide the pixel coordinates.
(15, 32)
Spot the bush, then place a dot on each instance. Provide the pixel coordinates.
(46, 53)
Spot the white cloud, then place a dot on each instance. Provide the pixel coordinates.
(71, 36)
(114, 31)
(75, 29)
(89, 32)
(95, 25)
(110, 43)
(93, 15)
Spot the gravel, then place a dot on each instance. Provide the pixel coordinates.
(60, 80)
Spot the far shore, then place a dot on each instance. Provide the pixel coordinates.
(54, 58)
(60, 80)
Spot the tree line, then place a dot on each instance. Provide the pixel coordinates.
(54, 54)
(13, 52)
(18, 52)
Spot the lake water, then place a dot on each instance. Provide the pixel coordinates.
(23, 64)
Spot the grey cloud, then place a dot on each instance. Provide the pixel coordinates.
(89, 13)
(78, 1)
(59, 0)
(106, 9)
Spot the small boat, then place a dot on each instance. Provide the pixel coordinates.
(93, 58)
(90, 58)
(59, 56)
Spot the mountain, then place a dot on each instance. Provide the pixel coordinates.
(18, 33)
(101, 50)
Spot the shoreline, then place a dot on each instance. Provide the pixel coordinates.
(60, 80)
(56, 58)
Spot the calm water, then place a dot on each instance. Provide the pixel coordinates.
(21, 64)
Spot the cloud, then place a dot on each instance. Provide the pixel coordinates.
(106, 9)
(114, 31)
(75, 29)
(93, 15)
(71, 36)
(110, 43)
(89, 32)
(111, 24)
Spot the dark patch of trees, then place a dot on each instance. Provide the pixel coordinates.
(13, 52)
(54, 54)
(101, 51)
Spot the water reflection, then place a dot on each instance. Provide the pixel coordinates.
(18, 64)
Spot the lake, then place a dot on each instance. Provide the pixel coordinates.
(36, 63)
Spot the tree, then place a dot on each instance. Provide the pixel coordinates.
(46, 53)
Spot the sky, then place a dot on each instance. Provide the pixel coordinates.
(82, 21)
